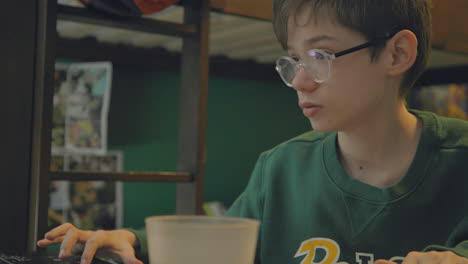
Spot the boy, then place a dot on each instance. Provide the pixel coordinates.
(373, 180)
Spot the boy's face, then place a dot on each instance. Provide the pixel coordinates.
(357, 87)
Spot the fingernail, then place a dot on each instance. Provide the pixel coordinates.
(61, 253)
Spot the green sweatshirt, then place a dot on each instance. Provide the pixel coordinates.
(312, 212)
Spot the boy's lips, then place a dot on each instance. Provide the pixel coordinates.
(310, 109)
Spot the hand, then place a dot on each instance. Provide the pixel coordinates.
(432, 257)
(117, 244)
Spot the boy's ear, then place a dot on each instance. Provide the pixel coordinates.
(402, 50)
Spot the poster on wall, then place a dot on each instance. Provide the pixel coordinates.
(87, 107)
(59, 108)
(450, 100)
(79, 143)
(59, 203)
(87, 204)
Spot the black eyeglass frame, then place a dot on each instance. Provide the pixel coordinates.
(373, 42)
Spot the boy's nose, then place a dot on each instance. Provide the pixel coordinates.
(303, 83)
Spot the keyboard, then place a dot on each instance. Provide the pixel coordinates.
(11, 259)
(42, 259)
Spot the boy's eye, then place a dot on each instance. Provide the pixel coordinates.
(320, 56)
(316, 55)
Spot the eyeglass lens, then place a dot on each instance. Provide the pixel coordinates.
(316, 65)
(287, 70)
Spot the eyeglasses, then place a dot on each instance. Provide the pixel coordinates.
(317, 63)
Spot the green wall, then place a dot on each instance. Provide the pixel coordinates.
(244, 118)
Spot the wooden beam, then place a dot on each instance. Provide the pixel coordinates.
(448, 18)
(261, 9)
(440, 22)
(131, 176)
(458, 36)
(193, 110)
(449, 25)
(90, 16)
(90, 49)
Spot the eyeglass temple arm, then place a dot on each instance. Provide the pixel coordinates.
(362, 46)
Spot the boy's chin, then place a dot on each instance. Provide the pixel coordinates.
(317, 126)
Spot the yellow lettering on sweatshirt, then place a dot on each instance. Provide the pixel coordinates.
(309, 247)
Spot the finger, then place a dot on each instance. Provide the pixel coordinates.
(129, 258)
(127, 255)
(71, 237)
(46, 242)
(452, 258)
(92, 245)
(89, 252)
(411, 259)
(60, 230)
(383, 261)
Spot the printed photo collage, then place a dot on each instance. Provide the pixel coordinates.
(79, 143)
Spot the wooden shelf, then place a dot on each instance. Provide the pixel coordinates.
(260, 9)
(27, 133)
(122, 176)
(90, 16)
(449, 25)
(448, 19)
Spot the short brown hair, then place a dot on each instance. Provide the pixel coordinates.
(372, 18)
